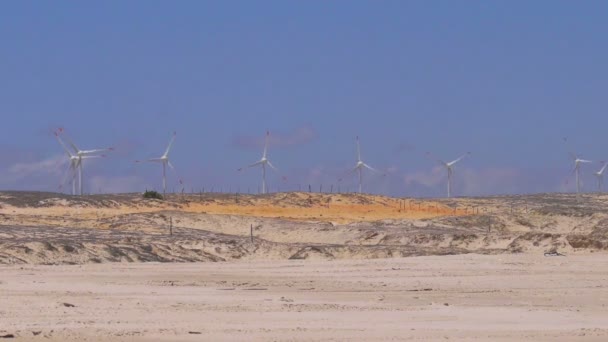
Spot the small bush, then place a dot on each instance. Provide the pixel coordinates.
(153, 194)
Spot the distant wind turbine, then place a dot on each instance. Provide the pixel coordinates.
(600, 176)
(449, 166)
(76, 159)
(263, 161)
(73, 164)
(577, 167)
(164, 160)
(360, 166)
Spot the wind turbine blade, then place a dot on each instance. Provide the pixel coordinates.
(432, 157)
(573, 170)
(585, 161)
(459, 159)
(370, 168)
(271, 166)
(266, 144)
(603, 168)
(65, 148)
(170, 145)
(172, 168)
(248, 166)
(155, 160)
(73, 145)
(349, 172)
(95, 151)
(70, 171)
(358, 149)
(256, 164)
(572, 155)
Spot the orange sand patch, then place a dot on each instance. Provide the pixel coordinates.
(336, 208)
(338, 213)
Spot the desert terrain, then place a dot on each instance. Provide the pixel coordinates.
(303, 266)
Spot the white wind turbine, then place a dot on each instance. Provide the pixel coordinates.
(73, 165)
(600, 176)
(76, 159)
(360, 166)
(164, 160)
(263, 161)
(449, 166)
(577, 167)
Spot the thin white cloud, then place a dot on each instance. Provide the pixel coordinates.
(51, 166)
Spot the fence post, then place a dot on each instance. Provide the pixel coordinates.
(171, 225)
(251, 232)
(489, 223)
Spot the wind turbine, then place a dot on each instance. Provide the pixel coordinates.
(577, 167)
(360, 166)
(263, 161)
(164, 160)
(600, 176)
(449, 166)
(77, 158)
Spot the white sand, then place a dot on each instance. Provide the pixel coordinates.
(498, 297)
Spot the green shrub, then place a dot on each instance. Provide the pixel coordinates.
(153, 194)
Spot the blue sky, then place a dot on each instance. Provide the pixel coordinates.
(505, 80)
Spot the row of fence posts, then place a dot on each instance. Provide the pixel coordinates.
(258, 190)
(412, 203)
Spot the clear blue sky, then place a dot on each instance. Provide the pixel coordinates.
(505, 80)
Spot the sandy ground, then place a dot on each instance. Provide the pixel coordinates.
(320, 267)
(47, 228)
(464, 297)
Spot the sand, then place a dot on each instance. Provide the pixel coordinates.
(46, 228)
(464, 297)
(303, 267)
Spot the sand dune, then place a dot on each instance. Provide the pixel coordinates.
(45, 228)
